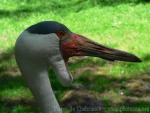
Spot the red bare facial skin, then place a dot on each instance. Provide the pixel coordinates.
(70, 46)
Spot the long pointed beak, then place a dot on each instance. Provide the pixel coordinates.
(91, 48)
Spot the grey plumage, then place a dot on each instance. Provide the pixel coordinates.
(34, 53)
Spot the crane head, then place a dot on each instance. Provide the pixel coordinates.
(72, 44)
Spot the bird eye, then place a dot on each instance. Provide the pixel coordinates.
(60, 33)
